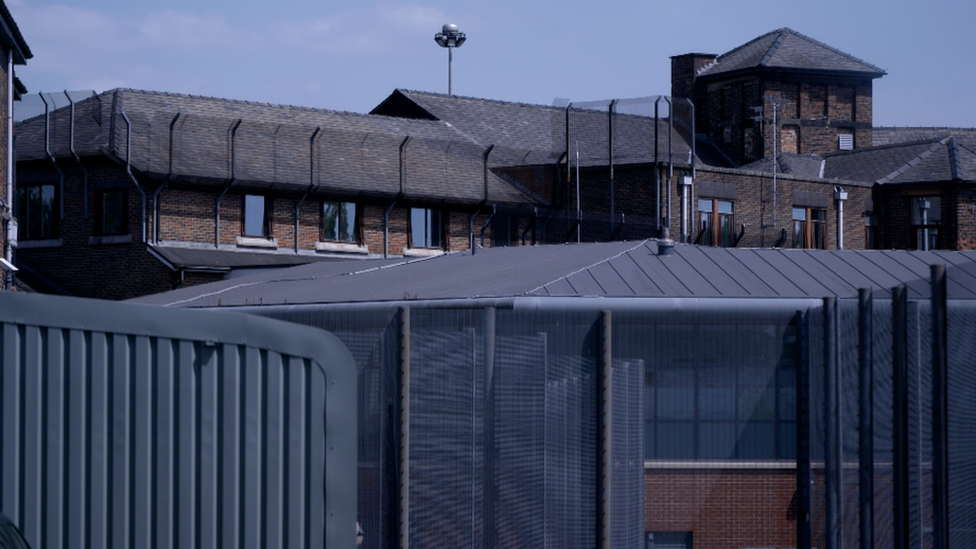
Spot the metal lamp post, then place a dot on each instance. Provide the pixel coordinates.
(449, 37)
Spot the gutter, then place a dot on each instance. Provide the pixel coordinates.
(233, 135)
(128, 170)
(311, 180)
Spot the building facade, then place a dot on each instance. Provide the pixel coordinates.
(14, 51)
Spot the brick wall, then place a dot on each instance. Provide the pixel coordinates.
(723, 508)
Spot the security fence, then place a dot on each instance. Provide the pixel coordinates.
(641, 422)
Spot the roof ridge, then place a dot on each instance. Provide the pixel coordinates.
(774, 47)
(913, 162)
(588, 267)
(833, 49)
(232, 101)
(481, 99)
(917, 142)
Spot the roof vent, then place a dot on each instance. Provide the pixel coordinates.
(665, 246)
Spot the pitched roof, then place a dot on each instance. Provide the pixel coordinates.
(932, 161)
(11, 38)
(211, 141)
(536, 134)
(211, 259)
(787, 50)
(896, 136)
(604, 270)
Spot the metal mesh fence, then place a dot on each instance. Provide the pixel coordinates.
(711, 412)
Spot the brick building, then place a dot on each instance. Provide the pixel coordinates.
(15, 51)
(154, 191)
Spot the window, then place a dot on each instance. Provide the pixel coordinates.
(36, 208)
(426, 230)
(257, 216)
(871, 236)
(111, 212)
(667, 540)
(737, 403)
(926, 218)
(715, 223)
(809, 228)
(339, 222)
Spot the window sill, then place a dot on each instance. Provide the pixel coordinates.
(114, 239)
(421, 252)
(256, 242)
(48, 243)
(341, 247)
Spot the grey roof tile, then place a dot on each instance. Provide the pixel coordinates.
(788, 50)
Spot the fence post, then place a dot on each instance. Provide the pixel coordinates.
(605, 407)
(804, 473)
(899, 298)
(404, 458)
(866, 416)
(940, 418)
(833, 461)
(489, 488)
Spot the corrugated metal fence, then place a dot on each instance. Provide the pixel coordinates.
(134, 426)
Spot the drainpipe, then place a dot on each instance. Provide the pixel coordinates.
(670, 154)
(233, 150)
(484, 201)
(613, 107)
(485, 226)
(311, 179)
(47, 149)
(386, 214)
(657, 168)
(840, 196)
(71, 147)
(128, 170)
(9, 252)
(157, 226)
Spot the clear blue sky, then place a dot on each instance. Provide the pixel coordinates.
(349, 55)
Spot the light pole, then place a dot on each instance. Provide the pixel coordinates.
(449, 37)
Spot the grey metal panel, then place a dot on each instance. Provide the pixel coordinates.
(701, 261)
(814, 263)
(785, 264)
(736, 264)
(130, 426)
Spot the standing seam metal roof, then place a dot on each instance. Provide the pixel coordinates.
(609, 270)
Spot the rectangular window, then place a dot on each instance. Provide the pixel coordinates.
(257, 216)
(926, 217)
(339, 221)
(426, 229)
(110, 212)
(716, 223)
(739, 404)
(36, 209)
(810, 228)
(871, 236)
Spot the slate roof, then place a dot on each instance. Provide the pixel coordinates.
(896, 136)
(787, 50)
(11, 38)
(805, 166)
(604, 270)
(536, 134)
(933, 161)
(210, 141)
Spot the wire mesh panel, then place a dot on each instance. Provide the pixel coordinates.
(962, 423)
(920, 424)
(883, 425)
(446, 430)
(720, 430)
(627, 451)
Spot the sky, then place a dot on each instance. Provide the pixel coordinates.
(349, 55)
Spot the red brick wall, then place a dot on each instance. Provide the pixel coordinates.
(723, 508)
